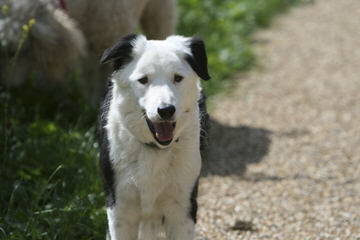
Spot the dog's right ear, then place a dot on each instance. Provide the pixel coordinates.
(121, 53)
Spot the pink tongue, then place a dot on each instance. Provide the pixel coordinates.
(164, 131)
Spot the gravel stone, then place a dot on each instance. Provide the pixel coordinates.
(284, 156)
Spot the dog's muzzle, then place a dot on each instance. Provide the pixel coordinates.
(163, 131)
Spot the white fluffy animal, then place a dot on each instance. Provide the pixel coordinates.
(149, 133)
(69, 32)
(52, 47)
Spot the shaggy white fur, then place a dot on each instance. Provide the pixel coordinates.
(105, 22)
(53, 45)
(152, 184)
(63, 38)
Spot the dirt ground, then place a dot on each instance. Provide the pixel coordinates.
(284, 158)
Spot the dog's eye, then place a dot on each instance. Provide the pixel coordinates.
(143, 80)
(178, 78)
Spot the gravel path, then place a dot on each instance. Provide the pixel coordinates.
(285, 152)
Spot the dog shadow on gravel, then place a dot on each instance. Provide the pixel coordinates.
(231, 149)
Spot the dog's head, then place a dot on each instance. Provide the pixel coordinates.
(158, 84)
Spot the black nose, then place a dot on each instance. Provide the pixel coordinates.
(166, 111)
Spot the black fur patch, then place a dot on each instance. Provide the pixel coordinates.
(106, 169)
(193, 202)
(204, 122)
(198, 59)
(121, 53)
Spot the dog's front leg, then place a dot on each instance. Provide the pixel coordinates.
(180, 228)
(149, 229)
(123, 223)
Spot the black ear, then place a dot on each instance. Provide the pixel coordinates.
(120, 53)
(198, 59)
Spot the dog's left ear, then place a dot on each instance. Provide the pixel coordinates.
(121, 53)
(198, 58)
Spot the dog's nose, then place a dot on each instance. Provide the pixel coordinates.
(166, 111)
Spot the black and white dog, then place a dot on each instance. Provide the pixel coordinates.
(149, 130)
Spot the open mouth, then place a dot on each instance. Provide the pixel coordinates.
(163, 132)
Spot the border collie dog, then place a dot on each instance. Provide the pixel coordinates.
(149, 133)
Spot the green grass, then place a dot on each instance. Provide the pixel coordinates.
(226, 26)
(50, 186)
(49, 182)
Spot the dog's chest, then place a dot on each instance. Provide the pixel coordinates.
(147, 172)
(153, 175)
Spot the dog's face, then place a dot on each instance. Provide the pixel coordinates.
(161, 84)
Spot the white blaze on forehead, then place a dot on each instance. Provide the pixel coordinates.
(160, 56)
(175, 44)
(159, 60)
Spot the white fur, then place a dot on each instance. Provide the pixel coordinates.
(153, 182)
(54, 43)
(63, 40)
